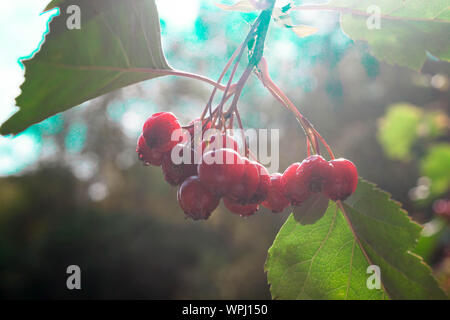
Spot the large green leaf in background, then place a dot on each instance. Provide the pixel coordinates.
(329, 259)
(74, 66)
(409, 29)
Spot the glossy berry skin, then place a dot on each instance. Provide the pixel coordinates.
(158, 130)
(263, 185)
(220, 170)
(343, 181)
(243, 191)
(175, 174)
(276, 200)
(195, 200)
(245, 210)
(147, 155)
(221, 141)
(300, 180)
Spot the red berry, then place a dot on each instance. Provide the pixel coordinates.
(263, 185)
(220, 170)
(242, 210)
(344, 179)
(196, 201)
(301, 180)
(147, 155)
(220, 141)
(243, 191)
(158, 131)
(178, 164)
(276, 200)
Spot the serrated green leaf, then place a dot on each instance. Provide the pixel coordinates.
(73, 66)
(408, 29)
(403, 124)
(329, 259)
(311, 210)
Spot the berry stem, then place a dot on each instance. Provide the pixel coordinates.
(257, 54)
(236, 62)
(163, 72)
(241, 127)
(311, 133)
(224, 71)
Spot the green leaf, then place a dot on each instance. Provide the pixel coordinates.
(404, 124)
(312, 210)
(408, 30)
(329, 259)
(436, 166)
(117, 40)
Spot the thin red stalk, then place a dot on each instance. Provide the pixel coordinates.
(238, 58)
(239, 87)
(310, 131)
(159, 72)
(298, 115)
(224, 71)
(244, 141)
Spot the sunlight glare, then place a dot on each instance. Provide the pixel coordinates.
(178, 14)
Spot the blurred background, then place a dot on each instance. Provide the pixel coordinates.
(73, 192)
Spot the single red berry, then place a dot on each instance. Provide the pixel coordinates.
(276, 200)
(220, 170)
(243, 191)
(195, 200)
(147, 155)
(158, 130)
(220, 141)
(263, 185)
(178, 164)
(300, 180)
(344, 179)
(242, 210)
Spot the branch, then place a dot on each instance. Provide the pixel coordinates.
(162, 72)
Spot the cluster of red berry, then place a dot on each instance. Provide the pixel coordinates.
(222, 172)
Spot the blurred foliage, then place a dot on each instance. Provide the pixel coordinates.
(398, 130)
(403, 124)
(436, 166)
(432, 236)
(393, 40)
